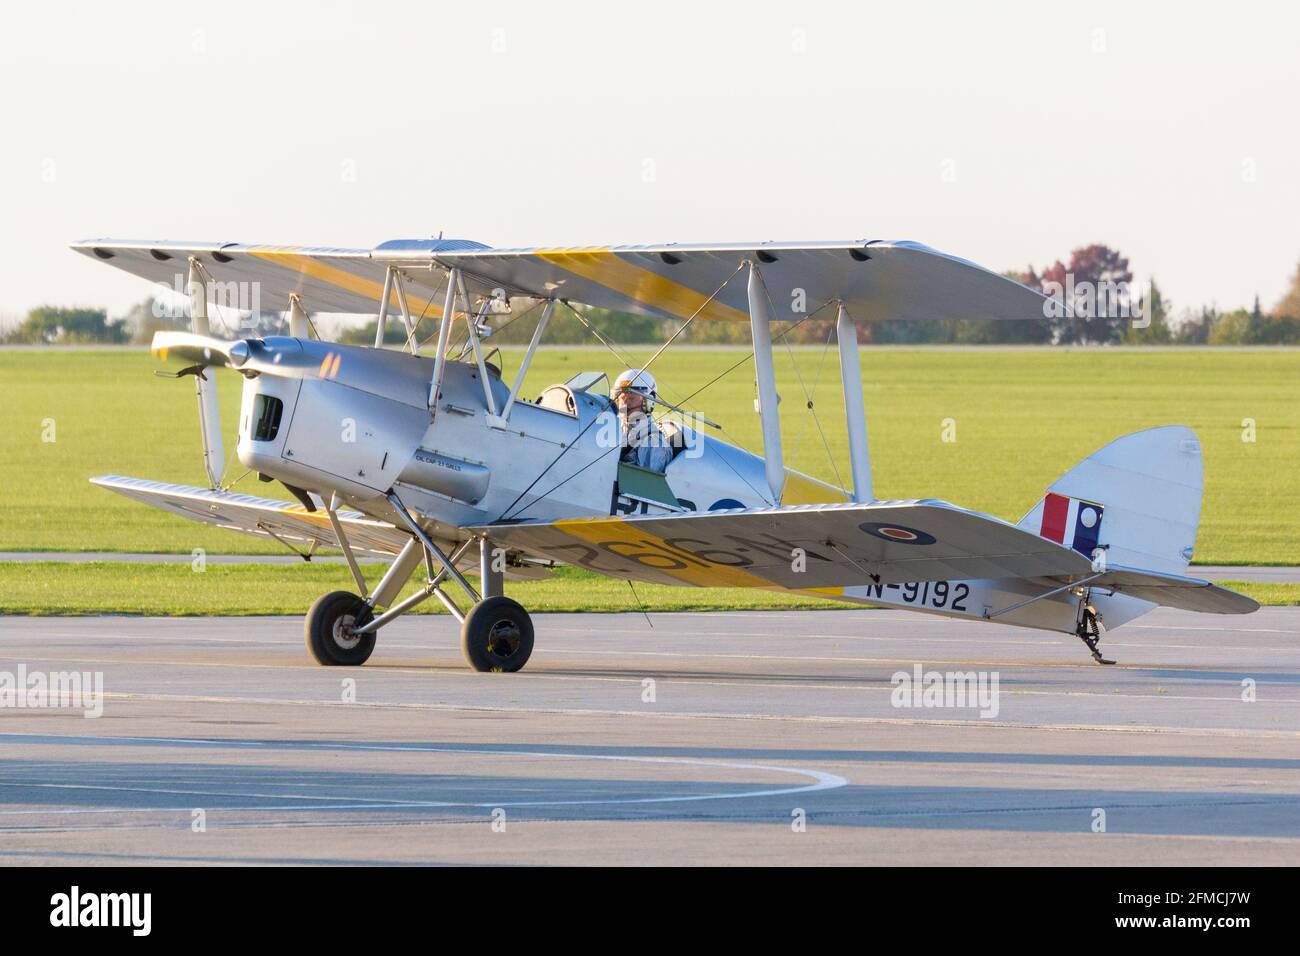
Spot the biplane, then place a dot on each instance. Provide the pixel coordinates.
(432, 461)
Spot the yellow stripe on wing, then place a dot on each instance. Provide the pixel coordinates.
(607, 269)
(312, 517)
(341, 278)
(632, 543)
(801, 490)
(620, 537)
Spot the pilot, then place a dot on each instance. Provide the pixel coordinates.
(644, 444)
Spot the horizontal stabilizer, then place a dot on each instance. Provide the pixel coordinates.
(1173, 590)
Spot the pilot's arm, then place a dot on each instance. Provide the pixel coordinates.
(654, 456)
(652, 451)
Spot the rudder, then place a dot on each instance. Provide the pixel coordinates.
(1138, 498)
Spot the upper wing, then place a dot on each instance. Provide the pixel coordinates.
(261, 278)
(841, 544)
(259, 516)
(875, 280)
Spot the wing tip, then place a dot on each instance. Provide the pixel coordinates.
(1241, 603)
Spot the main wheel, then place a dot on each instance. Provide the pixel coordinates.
(497, 635)
(328, 630)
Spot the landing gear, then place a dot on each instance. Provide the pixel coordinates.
(330, 630)
(497, 635)
(1088, 628)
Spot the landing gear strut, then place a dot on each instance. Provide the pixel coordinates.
(496, 633)
(1088, 628)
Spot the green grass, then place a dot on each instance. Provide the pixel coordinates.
(114, 587)
(1275, 595)
(1022, 419)
(240, 589)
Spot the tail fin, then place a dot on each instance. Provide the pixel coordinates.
(1139, 498)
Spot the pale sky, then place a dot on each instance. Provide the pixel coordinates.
(1007, 133)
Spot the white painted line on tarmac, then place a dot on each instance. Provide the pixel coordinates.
(821, 780)
(968, 723)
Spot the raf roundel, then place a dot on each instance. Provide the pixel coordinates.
(896, 533)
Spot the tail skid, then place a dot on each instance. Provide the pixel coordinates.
(1133, 507)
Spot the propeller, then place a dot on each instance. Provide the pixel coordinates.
(200, 351)
(197, 350)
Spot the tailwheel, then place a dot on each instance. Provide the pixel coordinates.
(497, 635)
(1089, 630)
(328, 629)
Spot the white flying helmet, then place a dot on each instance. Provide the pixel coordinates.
(633, 380)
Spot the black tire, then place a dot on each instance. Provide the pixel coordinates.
(324, 625)
(497, 635)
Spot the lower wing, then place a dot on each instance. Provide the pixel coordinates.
(831, 546)
(264, 517)
(799, 547)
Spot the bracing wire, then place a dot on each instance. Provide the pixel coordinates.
(595, 418)
(636, 597)
(708, 384)
(807, 395)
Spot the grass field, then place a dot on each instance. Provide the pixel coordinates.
(1022, 418)
(241, 589)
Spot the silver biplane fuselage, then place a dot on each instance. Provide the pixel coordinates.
(356, 422)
